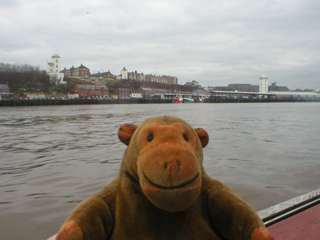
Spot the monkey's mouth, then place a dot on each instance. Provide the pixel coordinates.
(171, 187)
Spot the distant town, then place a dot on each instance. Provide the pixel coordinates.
(24, 82)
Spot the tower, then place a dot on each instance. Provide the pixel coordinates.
(124, 73)
(263, 84)
(56, 61)
(53, 69)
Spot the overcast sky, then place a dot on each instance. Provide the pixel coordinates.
(212, 42)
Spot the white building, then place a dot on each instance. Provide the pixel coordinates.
(53, 69)
(124, 73)
(263, 84)
(136, 95)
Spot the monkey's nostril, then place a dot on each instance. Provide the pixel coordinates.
(165, 165)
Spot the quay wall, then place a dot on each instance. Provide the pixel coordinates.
(45, 102)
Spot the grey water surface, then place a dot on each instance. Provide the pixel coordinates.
(53, 157)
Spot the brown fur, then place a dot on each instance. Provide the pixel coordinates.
(163, 192)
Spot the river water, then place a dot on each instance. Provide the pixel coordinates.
(53, 157)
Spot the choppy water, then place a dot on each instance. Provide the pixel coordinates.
(53, 157)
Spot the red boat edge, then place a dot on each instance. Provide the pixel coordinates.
(297, 218)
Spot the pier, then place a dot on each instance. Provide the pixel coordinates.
(243, 97)
(255, 100)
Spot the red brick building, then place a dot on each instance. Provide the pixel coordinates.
(88, 90)
(122, 93)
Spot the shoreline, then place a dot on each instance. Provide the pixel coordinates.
(49, 102)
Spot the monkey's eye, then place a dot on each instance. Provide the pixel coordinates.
(186, 137)
(150, 137)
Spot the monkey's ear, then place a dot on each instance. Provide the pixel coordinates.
(203, 136)
(125, 132)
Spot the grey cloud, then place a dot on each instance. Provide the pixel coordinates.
(213, 42)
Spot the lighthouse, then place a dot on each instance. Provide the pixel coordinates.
(263, 84)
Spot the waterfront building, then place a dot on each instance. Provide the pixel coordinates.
(53, 69)
(122, 93)
(4, 92)
(263, 84)
(136, 94)
(35, 95)
(91, 90)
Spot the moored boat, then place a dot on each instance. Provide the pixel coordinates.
(188, 100)
(177, 99)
